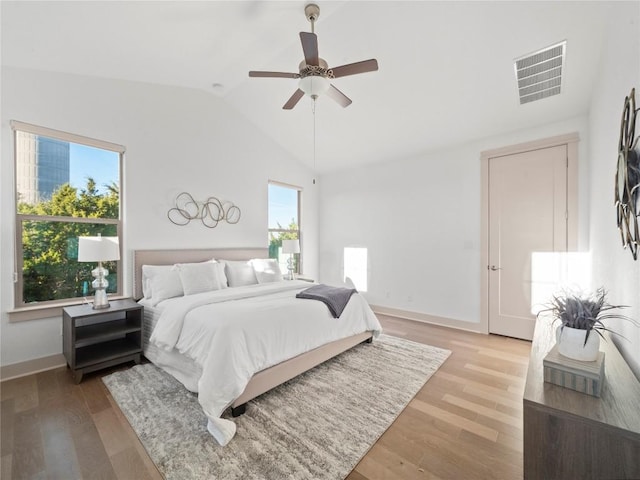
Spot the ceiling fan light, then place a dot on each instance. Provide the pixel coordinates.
(314, 85)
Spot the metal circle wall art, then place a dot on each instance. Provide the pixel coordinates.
(210, 212)
(627, 181)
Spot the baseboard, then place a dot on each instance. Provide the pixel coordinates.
(21, 369)
(426, 318)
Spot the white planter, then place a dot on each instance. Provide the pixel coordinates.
(571, 344)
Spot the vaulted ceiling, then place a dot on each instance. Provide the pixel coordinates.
(446, 68)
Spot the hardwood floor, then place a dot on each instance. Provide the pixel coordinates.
(465, 423)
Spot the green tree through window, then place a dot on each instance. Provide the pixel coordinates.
(50, 270)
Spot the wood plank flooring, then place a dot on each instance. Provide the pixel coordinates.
(465, 423)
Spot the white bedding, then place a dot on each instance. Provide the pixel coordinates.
(232, 334)
(172, 362)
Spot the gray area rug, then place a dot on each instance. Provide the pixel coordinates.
(316, 426)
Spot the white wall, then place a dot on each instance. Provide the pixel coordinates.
(176, 140)
(419, 217)
(613, 267)
(420, 220)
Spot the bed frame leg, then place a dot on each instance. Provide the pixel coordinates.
(369, 340)
(239, 410)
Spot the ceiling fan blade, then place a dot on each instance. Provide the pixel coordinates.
(353, 68)
(338, 96)
(295, 98)
(274, 74)
(310, 47)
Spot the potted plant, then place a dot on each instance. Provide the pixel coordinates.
(580, 316)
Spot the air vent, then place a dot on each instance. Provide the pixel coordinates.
(539, 75)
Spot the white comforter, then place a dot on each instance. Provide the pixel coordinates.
(232, 340)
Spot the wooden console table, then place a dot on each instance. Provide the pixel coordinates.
(568, 434)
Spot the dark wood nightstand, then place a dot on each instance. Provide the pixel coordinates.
(96, 339)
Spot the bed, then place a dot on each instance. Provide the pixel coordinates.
(273, 336)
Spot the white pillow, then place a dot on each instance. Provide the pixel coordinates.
(222, 276)
(201, 277)
(239, 273)
(148, 272)
(267, 270)
(166, 285)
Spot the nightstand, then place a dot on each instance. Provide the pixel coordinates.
(96, 339)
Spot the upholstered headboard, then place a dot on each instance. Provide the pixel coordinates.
(169, 257)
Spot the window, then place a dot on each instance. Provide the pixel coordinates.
(355, 266)
(284, 222)
(67, 186)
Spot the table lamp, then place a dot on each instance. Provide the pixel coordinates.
(99, 249)
(291, 247)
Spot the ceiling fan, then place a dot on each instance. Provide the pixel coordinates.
(314, 72)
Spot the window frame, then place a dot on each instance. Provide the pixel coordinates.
(27, 309)
(270, 230)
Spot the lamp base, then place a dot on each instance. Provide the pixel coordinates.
(100, 285)
(291, 267)
(100, 300)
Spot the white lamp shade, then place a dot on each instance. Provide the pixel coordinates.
(290, 246)
(314, 85)
(98, 249)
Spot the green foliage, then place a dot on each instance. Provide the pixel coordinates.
(50, 270)
(275, 238)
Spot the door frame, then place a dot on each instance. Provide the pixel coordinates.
(571, 141)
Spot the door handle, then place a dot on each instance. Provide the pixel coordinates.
(493, 268)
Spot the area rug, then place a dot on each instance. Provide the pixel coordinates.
(316, 426)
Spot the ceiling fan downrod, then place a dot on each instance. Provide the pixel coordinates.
(312, 12)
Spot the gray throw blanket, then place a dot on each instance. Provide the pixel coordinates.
(336, 298)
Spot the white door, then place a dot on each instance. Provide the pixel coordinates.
(527, 213)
